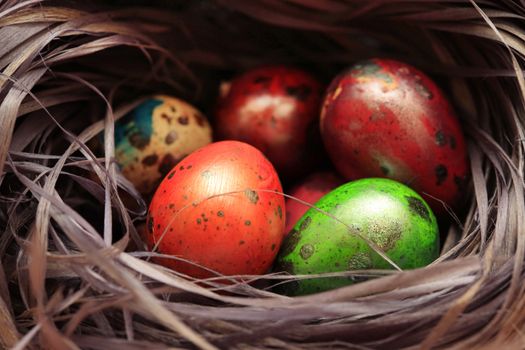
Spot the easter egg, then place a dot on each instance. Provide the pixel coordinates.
(383, 118)
(310, 190)
(221, 208)
(276, 109)
(389, 214)
(155, 136)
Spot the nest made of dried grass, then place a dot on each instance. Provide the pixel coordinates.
(69, 68)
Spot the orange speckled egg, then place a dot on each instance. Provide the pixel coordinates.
(222, 208)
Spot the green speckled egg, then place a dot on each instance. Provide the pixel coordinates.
(388, 213)
(155, 136)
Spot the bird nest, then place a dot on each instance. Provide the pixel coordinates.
(68, 277)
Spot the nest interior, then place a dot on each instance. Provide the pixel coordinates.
(69, 68)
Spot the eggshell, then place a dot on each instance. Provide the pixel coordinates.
(155, 136)
(383, 118)
(386, 212)
(310, 190)
(276, 109)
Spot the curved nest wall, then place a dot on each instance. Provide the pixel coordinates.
(69, 68)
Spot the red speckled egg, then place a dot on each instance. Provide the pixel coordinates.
(212, 209)
(383, 118)
(275, 109)
(309, 190)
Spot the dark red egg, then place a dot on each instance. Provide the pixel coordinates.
(383, 118)
(221, 207)
(275, 109)
(310, 190)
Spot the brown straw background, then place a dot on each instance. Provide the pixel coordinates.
(70, 67)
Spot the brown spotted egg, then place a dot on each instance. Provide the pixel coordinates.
(155, 136)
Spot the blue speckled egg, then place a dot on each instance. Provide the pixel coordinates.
(155, 136)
